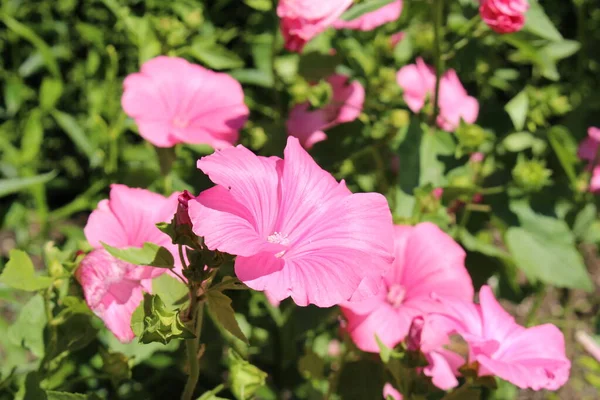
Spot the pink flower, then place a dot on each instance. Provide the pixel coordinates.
(527, 357)
(113, 288)
(588, 148)
(302, 20)
(504, 16)
(390, 391)
(427, 260)
(418, 83)
(477, 157)
(374, 19)
(295, 230)
(397, 38)
(594, 186)
(346, 106)
(173, 101)
(438, 192)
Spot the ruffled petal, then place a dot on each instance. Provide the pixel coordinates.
(374, 19)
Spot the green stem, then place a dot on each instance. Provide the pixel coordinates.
(192, 347)
(276, 83)
(438, 16)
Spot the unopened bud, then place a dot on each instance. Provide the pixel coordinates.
(182, 216)
(413, 340)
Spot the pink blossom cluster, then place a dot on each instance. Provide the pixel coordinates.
(419, 84)
(427, 298)
(588, 151)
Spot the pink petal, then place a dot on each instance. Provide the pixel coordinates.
(440, 371)
(348, 98)
(389, 391)
(595, 181)
(497, 323)
(307, 125)
(104, 226)
(417, 81)
(588, 148)
(594, 133)
(117, 317)
(374, 19)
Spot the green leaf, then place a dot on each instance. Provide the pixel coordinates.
(433, 145)
(81, 140)
(137, 320)
(50, 92)
(14, 90)
(584, 221)
(538, 23)
(212, 394)
(219, 305)
(20, 274)
(32, 388)
(150, 254)
(26, 33)
(519, 141)
(15, 185)
(561, 50)
(28, 329)
(171, 290)
(314, 66)
(214, 55)
(544, 248)
(311, 366)
(229, 283)
(363, 8)
(33, 135)
(54, 395)
(517, 109)
(260, 5)
(253, 77)
(74, 334)
(565, 148)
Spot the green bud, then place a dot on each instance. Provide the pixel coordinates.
(531, 175)
(244, 378)
(399, 118)
(470, 137)
(161, 324)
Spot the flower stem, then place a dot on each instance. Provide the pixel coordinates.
(193, 345)
(438, 16)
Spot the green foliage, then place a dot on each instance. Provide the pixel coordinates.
(159, 323)
(150, 254)
(19, 273)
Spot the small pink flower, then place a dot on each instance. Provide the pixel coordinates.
(504, 16)
(346, 106)
(418, 83)
(427, 261)
(113, 288)
(334, 348)
(531, 358)
(438, 193)
(295, 230)
(173, 101)
(390, 391)
(374, 19)
(477, 157)
(594, 186)
(588, 148)
(302, 20)
(397, 38)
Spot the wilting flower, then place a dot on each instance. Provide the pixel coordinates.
(527, 357)
(113, 288)
(390, 391)
(295, 230)
(347, 103)
(173, 101)
(588, 148)
(302, 20)
(374, 19)
(427, 261)
(504, 16)
(418, 83)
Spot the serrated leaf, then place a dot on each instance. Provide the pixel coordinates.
(364, 8)
(517, 109)
(20, 274)
(150, 254)
(28, 329)
(219, 305)
(10, 186)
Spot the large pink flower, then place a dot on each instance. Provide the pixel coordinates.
(174, 101)
(427, 261)
(295, 230)
(374, 19)
(527, 357)
(347, 103)
(504, 16)
(302, 20)
(418, 83)
(113, 288)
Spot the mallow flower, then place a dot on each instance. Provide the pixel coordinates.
(302, 20)
(418, 83)
(504, 16)
(374, 19)
(295, 230)
(588, 148)
(427, 261)
(173, 101)
(114, 288)
(530, 358)
(346, 105)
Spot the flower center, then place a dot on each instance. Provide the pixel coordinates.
(180, 122)
(396, 295)
(278, 238)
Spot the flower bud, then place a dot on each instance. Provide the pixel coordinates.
(531, 175)
(182, 216)
(413, 340)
